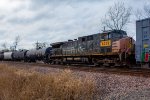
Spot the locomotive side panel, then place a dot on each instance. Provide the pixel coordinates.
(82, 45)
(96, 43)
(93, 44)
(69, 48)
(89, 45)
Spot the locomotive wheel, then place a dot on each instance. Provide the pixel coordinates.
(53, 63)
(106, 65)
(96, 64)
(101, 64)
(111, 64)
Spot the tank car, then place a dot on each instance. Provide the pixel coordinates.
(40, 54)
(8, 55)
(1, 55)
(19, 55)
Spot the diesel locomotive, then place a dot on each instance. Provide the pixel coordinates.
(112, 47)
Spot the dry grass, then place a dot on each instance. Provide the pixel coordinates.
(17, 84)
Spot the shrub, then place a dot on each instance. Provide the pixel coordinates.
(18, 84)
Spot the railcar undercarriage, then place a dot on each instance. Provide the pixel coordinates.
(96, 60)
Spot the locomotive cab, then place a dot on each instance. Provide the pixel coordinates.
(108, 37)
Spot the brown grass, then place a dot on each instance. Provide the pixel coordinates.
(17, 84)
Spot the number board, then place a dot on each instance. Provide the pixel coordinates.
(105, 43)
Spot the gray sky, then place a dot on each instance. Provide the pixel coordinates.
(54, 20)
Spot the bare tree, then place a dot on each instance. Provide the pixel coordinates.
(16, 42)
(147, 10)
(45, 44)
(13, 46)
(117, 17)
(139, 14)
(143, 12)
(4, 46)
(39, 45)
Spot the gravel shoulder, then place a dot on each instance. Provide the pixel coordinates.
(133, 95)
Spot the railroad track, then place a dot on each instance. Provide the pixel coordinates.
(86, 68)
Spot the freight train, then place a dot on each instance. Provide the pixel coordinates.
(109, 48)
(112, 47)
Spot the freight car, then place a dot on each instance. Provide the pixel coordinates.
(98, 49)
(1, 55)
(19, 55)
(143, 43)
(8, 55)
(38, 54)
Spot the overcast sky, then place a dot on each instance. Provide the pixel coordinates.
(54, 20)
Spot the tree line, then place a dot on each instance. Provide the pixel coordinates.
(16, 42)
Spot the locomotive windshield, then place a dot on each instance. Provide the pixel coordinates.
(105, 36)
